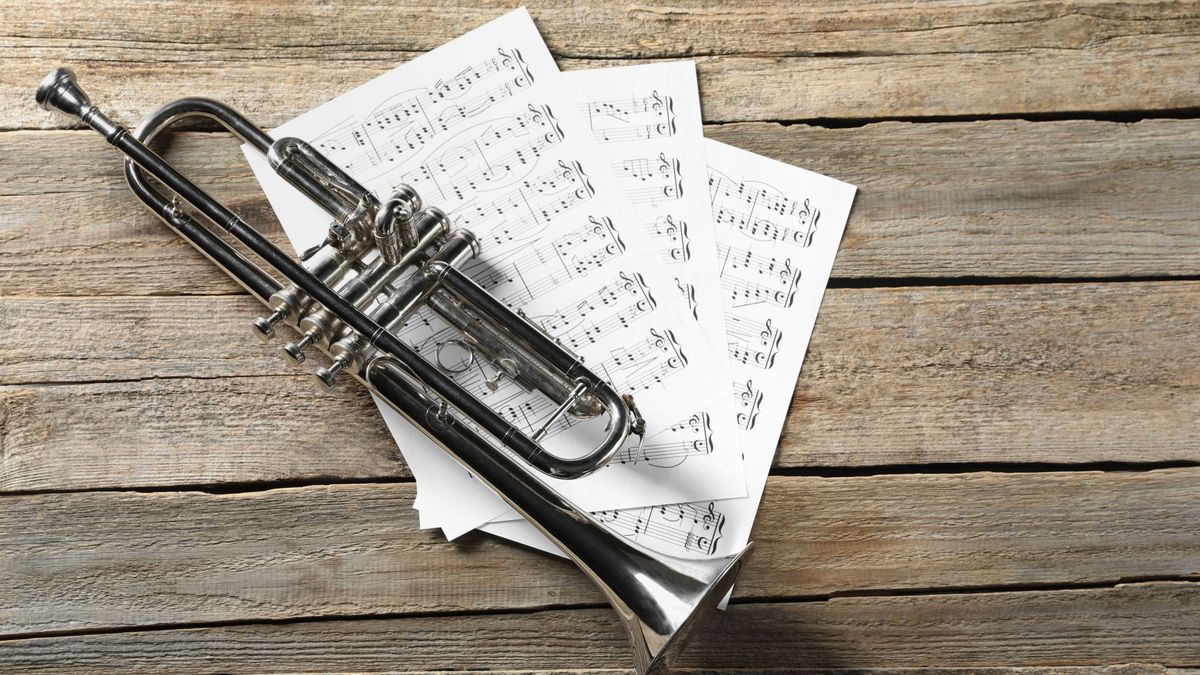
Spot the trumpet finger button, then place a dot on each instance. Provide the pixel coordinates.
(327, 377)
(264, 326)
(294, 351)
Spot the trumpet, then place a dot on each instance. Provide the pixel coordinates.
(383, 260)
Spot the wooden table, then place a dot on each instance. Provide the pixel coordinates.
(993, 456)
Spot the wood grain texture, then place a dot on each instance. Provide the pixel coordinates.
(93, 561)
(147, 391)
(1043, 373)
(1141, 623)
(603, 29)
(757, 61)
(983, 199)
(115, 375)
(190, 431)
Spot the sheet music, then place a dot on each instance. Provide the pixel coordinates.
(777, 228)
(647, 121)
(481, 129)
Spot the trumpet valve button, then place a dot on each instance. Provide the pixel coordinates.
(264, 326)
(294, 351)
(327, 377)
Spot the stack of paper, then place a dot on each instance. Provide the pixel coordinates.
(685, 271)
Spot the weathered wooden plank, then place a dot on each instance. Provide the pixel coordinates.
(1001, 198)
(1044, 373)
(599, 29)
(69, 224)
(187, 431)
(93, 561)
(756, 61)
(1062, 373)
(123, 338)
(1004, 198)
(1144, 623)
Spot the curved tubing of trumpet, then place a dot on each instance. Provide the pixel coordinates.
(60, 88)
(216, 249)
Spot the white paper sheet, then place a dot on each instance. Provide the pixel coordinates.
(647, 121)
(481, 129)
(778, 228)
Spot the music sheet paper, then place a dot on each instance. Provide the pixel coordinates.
(777, 228)
(481, 129)
(647, 121)
(646, 118)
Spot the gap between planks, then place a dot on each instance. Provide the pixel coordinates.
(555, 608)
(1136, 623)
(958, 468)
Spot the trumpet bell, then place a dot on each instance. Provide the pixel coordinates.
(683, 593)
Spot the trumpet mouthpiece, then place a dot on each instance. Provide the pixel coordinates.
(59, 91)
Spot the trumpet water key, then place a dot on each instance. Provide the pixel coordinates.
(381, 261)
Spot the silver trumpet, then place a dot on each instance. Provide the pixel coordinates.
(380, 262)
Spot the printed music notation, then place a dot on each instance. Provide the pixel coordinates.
(527, 210)
(749, 400)
(647, 120)
(529, 272)
(650, 181)
(750, 278)
(680, 441)
(753, 342)
(764, 240)
(762, 213)
(671, 236)
(406, 122)
(690, 528)
(647, 363)
(774, 266)
(616, 305)
(636, 118)
(490, 154)
(688, 291)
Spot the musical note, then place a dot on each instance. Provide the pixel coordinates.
(672, 239)
(683, 528)
(404, 123)
(651, 181)
(522, 274)
(527, 210)
(635, 118)
(751, 342)
(684, 439)
(490, 154)
(614, 306)
(749, 399)
(777, 230)
(750, 278)
(760, 213)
